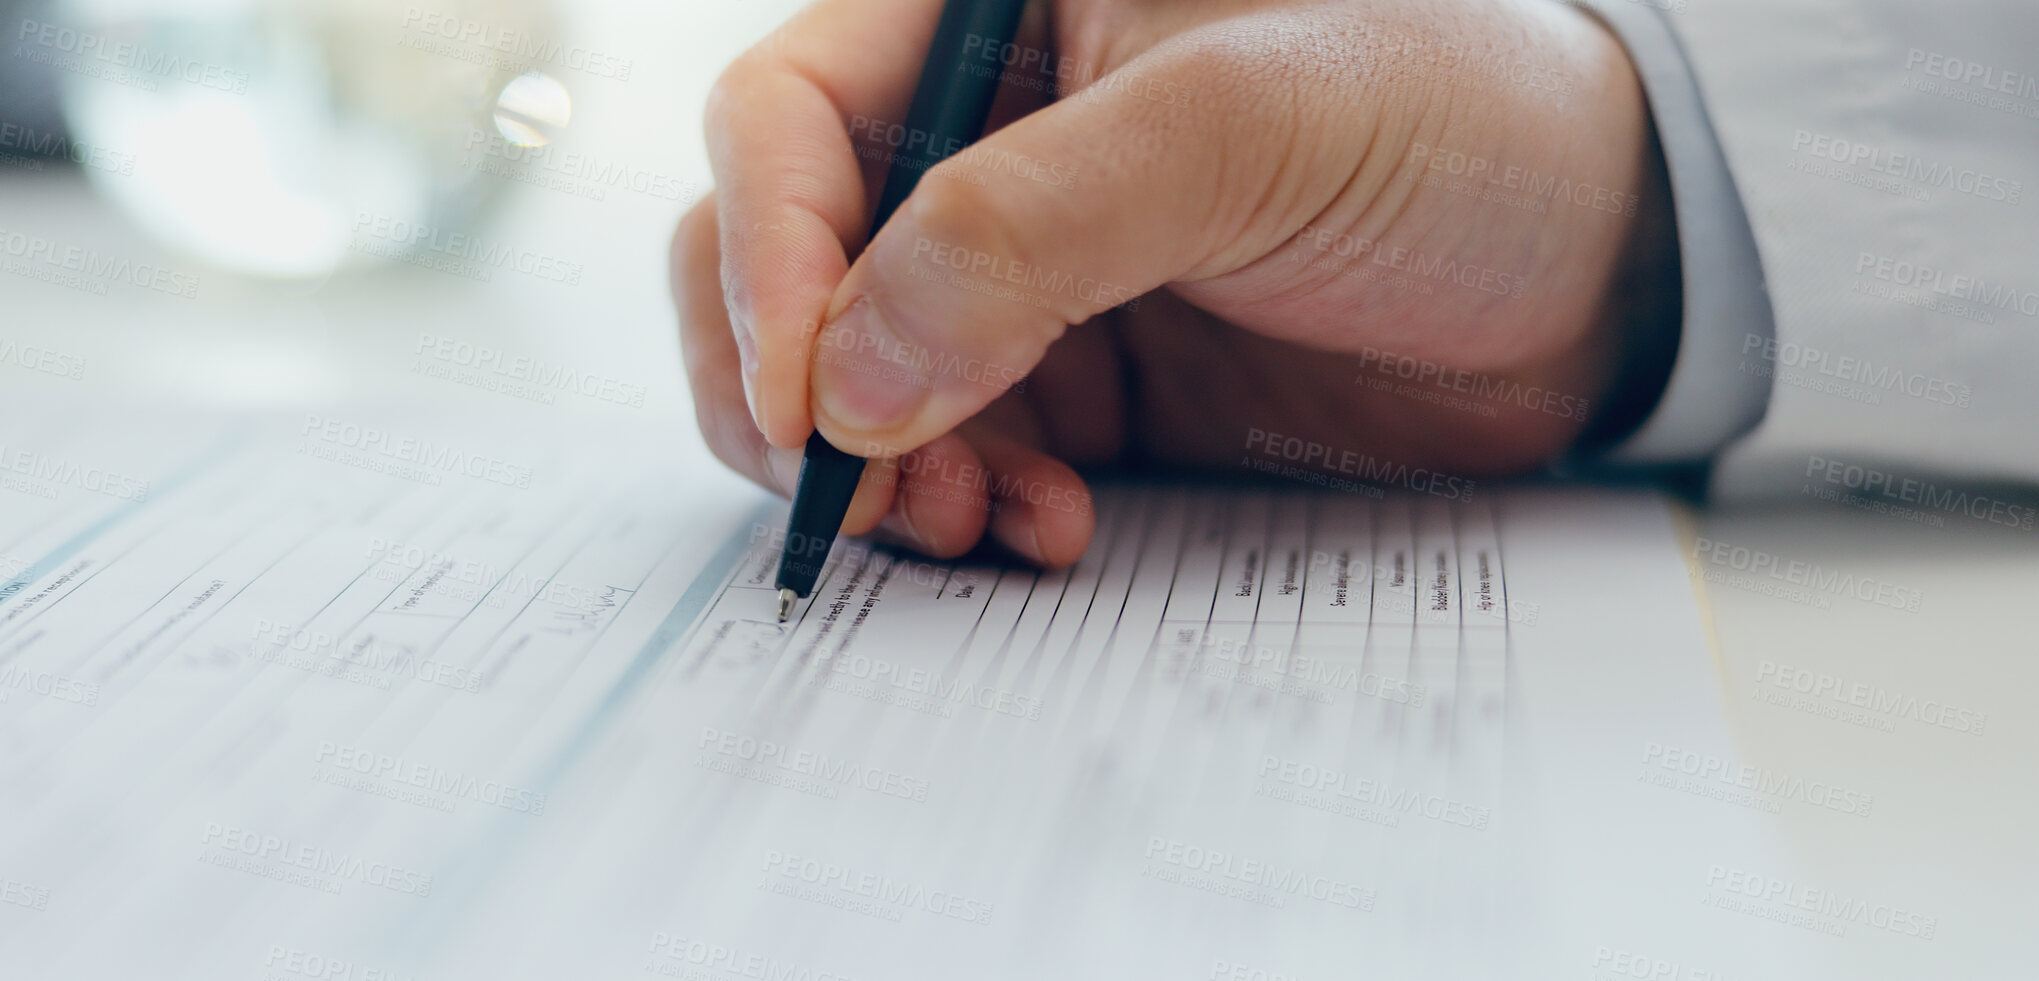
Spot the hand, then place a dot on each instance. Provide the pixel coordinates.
(1393, 232)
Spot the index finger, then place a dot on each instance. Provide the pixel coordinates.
(790, 191)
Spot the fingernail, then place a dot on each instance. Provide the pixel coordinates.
(866, 376)
(912, 529)
(783, 463)
(747, 358)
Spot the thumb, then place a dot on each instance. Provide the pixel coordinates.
(1066, 213)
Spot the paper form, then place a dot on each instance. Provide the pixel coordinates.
(285, 715)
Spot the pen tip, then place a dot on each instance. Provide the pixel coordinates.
(786, 598)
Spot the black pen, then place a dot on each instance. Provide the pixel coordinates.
(949, 108)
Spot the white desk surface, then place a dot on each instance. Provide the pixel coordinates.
(1951, 832)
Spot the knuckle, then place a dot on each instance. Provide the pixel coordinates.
(1006, 250)
(958, 223)
(959, 211)
(731, 87)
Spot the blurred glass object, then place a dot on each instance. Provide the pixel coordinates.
(530, 107)
(269, 135)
